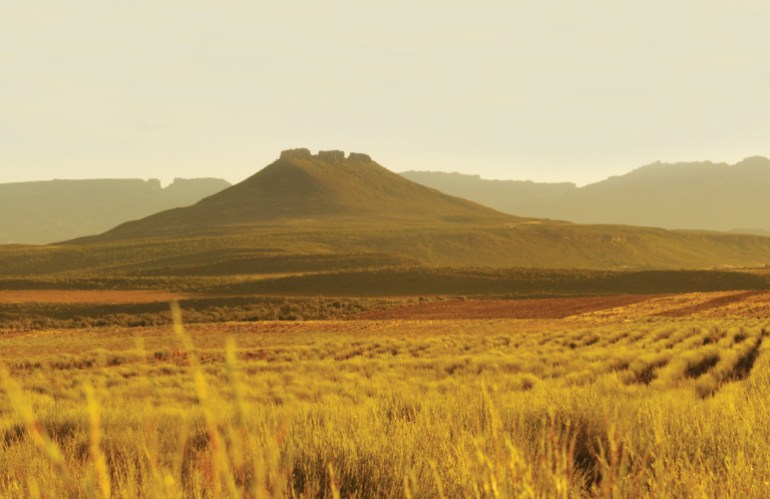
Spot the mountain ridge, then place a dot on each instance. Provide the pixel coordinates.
(42, 212)
(698, 195)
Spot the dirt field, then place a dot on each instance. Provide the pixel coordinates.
(82, 296)
(747, 304)
(541, 308)
(721, 305)
(613, 308)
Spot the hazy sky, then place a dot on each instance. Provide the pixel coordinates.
(542, 90)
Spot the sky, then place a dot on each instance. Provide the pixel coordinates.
(531, 90)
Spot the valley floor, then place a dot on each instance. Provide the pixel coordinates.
(626, 396)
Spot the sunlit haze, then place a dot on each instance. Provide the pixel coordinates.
(541, 90)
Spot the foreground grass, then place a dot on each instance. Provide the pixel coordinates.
(388, 409)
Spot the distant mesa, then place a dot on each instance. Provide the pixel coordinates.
(700, 195)
(56, 210)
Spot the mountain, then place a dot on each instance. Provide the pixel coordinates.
(310, 189)
(326, 212)
(56, 210)
(704, 195)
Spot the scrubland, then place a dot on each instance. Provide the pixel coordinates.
(655, 407)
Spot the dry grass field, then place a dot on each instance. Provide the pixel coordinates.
(646, 396)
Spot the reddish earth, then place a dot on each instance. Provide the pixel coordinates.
(83, 296)
(727, 304)
(748, 304)
(720, 303)
(540, 308)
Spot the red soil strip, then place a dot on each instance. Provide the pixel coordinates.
(714, 304)
(540, 308)
(83, 296)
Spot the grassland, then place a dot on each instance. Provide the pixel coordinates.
(658, 397)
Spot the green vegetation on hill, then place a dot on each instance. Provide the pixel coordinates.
(287, 249)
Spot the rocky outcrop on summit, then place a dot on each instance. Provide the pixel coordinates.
(299, 153)
(357, 156)
(334, 156)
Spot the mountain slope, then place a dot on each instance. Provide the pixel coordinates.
(44, 212)
(323, 213)
(706, 196)
(304, 188)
